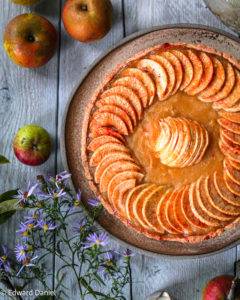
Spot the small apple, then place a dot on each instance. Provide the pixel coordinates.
(87, 20)
(30, 40)
(32, 145)
(218, 288)
(25, 2)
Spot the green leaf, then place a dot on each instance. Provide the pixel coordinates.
(3, 160)
(7, 205)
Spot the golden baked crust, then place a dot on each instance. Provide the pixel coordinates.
(190, 213)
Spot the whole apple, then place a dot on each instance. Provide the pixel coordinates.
(87, 20)
(218, 288)
(25, 2)
(32, 145)
(30, 40)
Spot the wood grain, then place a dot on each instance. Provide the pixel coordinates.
(26, 96)
(40, 96)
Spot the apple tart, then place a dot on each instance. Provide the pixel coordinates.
(162, 143)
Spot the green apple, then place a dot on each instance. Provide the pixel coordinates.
(32, 145)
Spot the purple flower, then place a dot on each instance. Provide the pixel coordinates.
(21, 252)
(24, 230)
(78, 200)
(62, 177)
(28, 262)
(24, 196)
(79, 226)
(95, 239)
(94, 202)
(127, 253)
(46, 225)
(4, 262)
(33, 218)
(52, 193)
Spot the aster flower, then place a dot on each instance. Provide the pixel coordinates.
(46, 225)
(23, 197)
(79, 226)
(52, 193)
(4, 262)
(95, 239)
(28, 262)
(33, 218)
(24, 230)
(78, 200)
(127, 253)
(94, 202)
(62, 177)
(21, 252)
(110, 258)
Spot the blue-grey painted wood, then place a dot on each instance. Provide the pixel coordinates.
(26, 96)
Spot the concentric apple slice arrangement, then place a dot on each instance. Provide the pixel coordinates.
(191, 212)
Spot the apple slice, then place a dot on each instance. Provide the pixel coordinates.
(217, 201)
(231, 99)
(232, 137)
(118, 196)
(235, 164)
(231, 172)
(145, 79)
(203, 200)
(134, 84)
(170, 73)
(231, 126)
(227, 88)
(187, 227)
(120, 102)
(127, 93)
(233, 117)
(105, 149)
(196, 136)
(187, 68)
(187, 212)
(223, 190)
(130, 199)
(202, 146)
(229, 151)
(164, 137)
(207, 74)
(197, 70)
(101, 140)
(113, 169)
(186, 142)
(107, 131)
(119, 112)
(138, 205)
(108, 159)
(149, 209)
(170, 207)
(232, 185)
(216, 84)
(120, 177)
(197, 210)
(158, 73)
(162, 212)
(178, 69)
(106, 119)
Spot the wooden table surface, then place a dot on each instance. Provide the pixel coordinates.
(39, 96)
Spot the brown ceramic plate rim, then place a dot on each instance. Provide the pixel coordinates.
(84, 75)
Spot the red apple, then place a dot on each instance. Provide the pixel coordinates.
(30, 40)
(87, 20)
(32, 145)
(218, 288)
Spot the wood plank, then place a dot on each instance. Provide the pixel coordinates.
(26, 96)
(75, 58)
(183, 278)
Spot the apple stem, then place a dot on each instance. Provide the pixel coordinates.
(83, 7)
